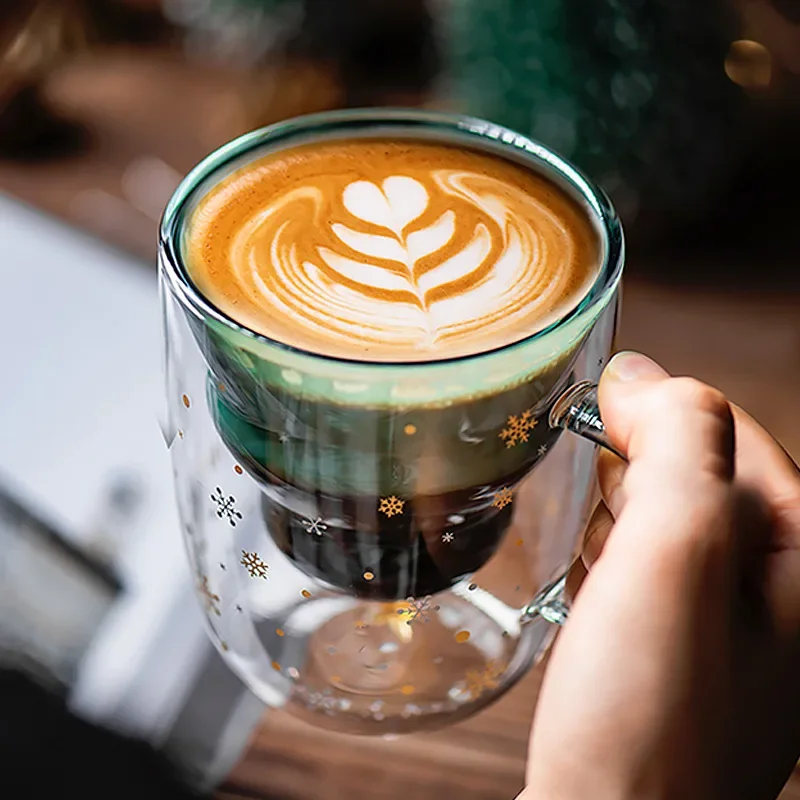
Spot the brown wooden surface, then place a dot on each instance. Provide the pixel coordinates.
(151, 116)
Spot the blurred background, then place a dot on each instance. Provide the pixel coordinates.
(687, 113)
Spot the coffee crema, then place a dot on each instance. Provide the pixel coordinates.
(391, 250)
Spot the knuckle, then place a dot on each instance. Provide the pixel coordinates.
(700, 395)
(692, 393)
(691, 408)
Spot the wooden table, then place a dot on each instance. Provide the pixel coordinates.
(746, 344)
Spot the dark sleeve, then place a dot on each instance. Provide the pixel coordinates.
(46, 751)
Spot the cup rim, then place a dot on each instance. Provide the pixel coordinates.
(429, 125)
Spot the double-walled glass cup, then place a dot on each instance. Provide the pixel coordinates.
(378, 547)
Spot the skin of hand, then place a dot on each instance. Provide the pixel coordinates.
(677, 676)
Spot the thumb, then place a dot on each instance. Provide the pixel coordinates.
(627, 375)
(678, 436)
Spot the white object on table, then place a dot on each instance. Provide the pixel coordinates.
(81, 388)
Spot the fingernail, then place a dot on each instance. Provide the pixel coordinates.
(629, 366)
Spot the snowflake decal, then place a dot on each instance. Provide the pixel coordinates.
(502, 497)
(322, 701)
(391, 506)
(410, 710)
(518, 428)
(480, 681)
(315, 527)
(284, 438)
(254, 565)
(542, 450)
(226, 506)
(210, 600)
(448, 537)
(418, 610)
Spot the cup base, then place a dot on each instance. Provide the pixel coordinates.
(389, 668)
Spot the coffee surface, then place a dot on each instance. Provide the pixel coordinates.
(390, 250)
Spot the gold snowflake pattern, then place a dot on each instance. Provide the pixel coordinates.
(518, 428)
(391, 506)
(255, 567)
(480, 681)
(210, 600)
(502, 497)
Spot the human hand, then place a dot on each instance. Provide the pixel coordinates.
(678, 673)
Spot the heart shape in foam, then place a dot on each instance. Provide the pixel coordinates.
(393, 205)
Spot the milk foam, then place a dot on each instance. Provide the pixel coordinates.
(417, 263)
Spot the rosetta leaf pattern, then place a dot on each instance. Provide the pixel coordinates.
(426, 260)
(392, 258)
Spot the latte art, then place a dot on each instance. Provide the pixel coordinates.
(406, 258)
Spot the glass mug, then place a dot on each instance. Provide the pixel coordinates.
(380, 547)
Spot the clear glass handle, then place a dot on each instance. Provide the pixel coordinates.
(576, 411)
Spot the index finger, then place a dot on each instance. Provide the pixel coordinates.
(679, 438)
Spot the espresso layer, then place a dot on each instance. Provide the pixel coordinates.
(390, 250)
